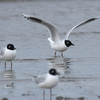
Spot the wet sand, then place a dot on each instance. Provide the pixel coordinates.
(79, 69)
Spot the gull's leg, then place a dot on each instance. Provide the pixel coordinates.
(62, 54)
(11, 65)
(43, 94)
(50, 94)
(5, 65)
(55, 53)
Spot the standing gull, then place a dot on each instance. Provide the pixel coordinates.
(56, 43)
(8, 53)
(46, 81)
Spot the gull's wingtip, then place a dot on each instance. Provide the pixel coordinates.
(25, 15)
(97, 17)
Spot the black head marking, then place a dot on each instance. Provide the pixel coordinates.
(53, 72)
(68, 43)
(10, 47)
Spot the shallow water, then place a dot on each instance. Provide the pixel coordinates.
(79, 69)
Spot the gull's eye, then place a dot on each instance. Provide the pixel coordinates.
(52, 71)
(9, 46)
(67, 42)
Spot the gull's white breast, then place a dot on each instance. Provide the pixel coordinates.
(50, 82)
(9, 55)
(59, 46)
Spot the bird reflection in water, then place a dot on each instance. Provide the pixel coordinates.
(8, 75)
(9, 85)
(61, 65)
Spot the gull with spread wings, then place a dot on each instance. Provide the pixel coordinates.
(56, 43)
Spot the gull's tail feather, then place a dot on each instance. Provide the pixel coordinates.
(33, 77)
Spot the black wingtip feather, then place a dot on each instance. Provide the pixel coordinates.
(91, 19)
(35, 19)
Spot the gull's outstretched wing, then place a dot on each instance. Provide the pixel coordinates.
(54, 36)
(80, 24)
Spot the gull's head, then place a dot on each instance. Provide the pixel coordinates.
(53, 72)
(11, 47)
(68, 43)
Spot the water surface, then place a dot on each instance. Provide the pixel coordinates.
(79, 69)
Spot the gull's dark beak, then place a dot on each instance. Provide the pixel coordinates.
(72, 44)
(57, 73)
(14, 48)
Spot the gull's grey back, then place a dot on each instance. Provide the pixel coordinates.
(40, 78)
(2, 51)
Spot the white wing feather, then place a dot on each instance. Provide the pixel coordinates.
(80, 24)
(54, 36)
